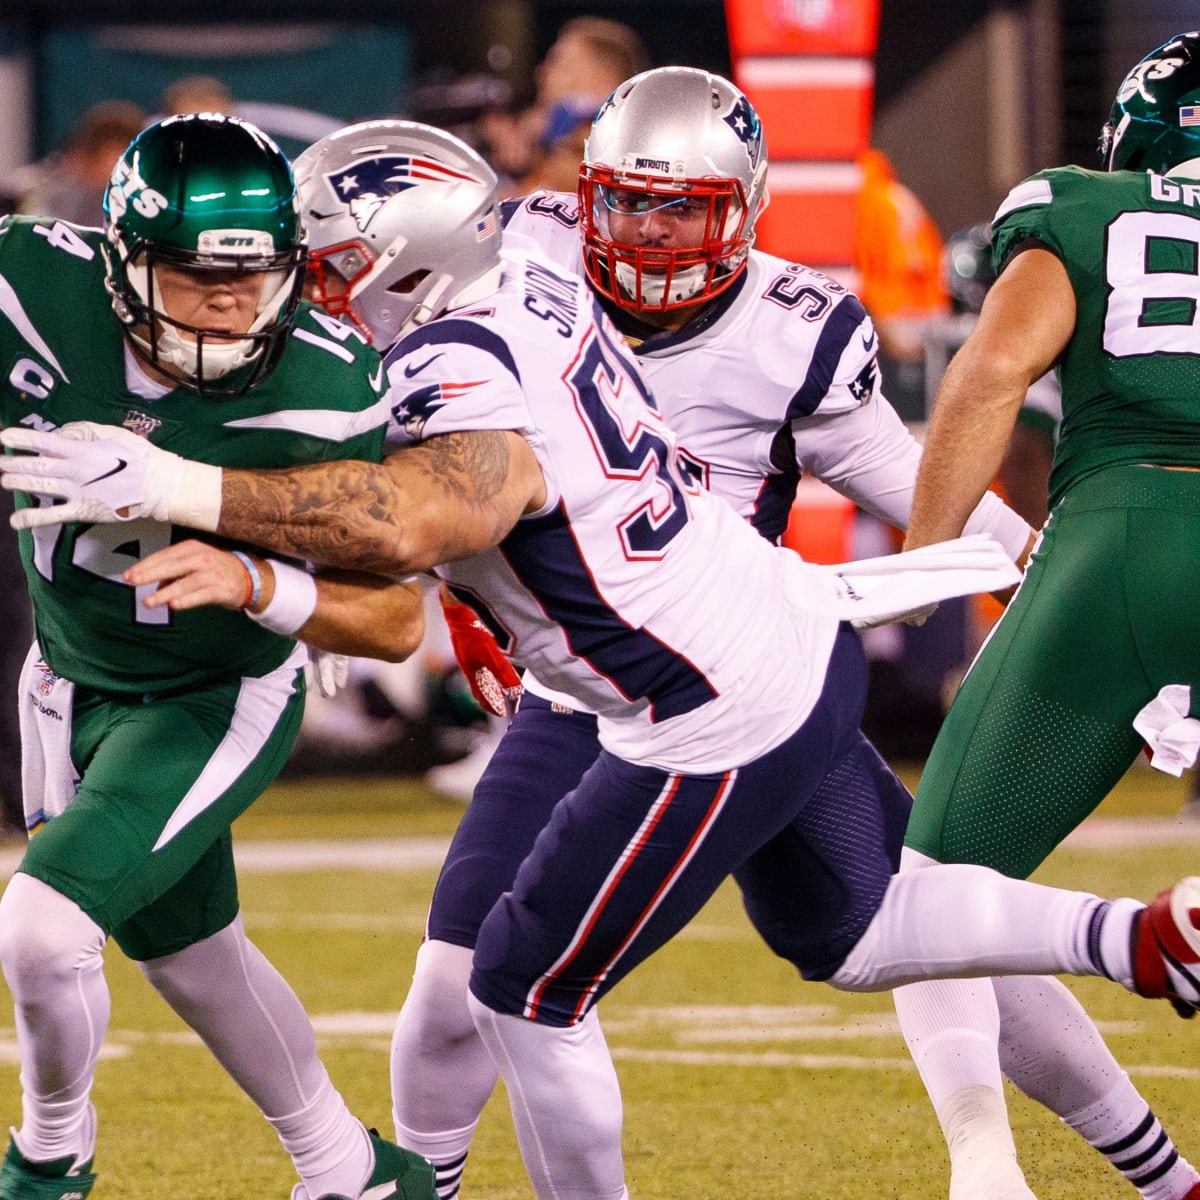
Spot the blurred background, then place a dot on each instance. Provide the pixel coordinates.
(936, 106)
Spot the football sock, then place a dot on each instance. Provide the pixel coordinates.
(52, 955)
(1123, 1128)
(255, 1026)
(565, 1101)
(948, 920)
(442, 1073)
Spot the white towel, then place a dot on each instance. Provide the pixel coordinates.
(897, 586)
(49, 781)
(1173, 736)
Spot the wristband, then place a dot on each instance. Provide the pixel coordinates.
(195, 497)
(294, 601)
(253, 578)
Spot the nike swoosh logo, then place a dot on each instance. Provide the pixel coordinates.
(868, 342)
(409, 372)
(376, 379)
(121, 465)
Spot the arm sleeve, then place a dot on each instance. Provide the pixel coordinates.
(868, 455)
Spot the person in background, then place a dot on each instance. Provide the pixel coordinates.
(1097, 656)
(587, 59)
(70, 184)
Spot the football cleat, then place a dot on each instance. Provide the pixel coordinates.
(59, 1179)
(1166, 947)
(397, 1175)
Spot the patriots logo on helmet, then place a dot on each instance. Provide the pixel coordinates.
(744, 122)
(366, 185)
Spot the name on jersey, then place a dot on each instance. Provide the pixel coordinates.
(1174, 193)
(551, 298)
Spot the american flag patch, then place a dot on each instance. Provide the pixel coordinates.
(1189, 114)
(486, 228)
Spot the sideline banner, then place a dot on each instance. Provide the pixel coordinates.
(808, 67)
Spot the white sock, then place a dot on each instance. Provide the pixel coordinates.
(955, 920)
(442, 1073)
(52, 956)
(254, 1024)
(565, 1100)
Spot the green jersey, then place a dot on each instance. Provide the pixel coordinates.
(63, 358)
(1130, 374)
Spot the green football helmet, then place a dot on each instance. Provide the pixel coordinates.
(1155, 120)
(207, 194)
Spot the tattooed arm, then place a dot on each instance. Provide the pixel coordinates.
(446, 498)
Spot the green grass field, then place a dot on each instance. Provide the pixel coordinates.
(739, 1079)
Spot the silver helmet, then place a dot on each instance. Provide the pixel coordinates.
(402, 221)
(674, 138)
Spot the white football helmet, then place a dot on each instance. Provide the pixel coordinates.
(667, 137)
(402, 224)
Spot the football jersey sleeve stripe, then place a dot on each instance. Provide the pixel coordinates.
(449, 331)
(1025, 195)
(840, 326)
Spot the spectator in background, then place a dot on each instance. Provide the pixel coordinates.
(70, 184)
(292, 127)
(588, 58)
(898, 254)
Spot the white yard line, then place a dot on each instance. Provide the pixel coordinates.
(421, 853)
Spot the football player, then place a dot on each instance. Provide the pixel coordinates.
(528, 462)
(145, 731)
(1097, 277)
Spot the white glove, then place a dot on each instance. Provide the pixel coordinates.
(327, 672)
(106, 474)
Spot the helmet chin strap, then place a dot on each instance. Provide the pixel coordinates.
(684, 284)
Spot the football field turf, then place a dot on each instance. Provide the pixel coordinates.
(739, 1080)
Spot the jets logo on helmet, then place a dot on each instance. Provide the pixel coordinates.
(1154, 124)
(367, 184)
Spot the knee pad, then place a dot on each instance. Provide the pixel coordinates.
(45, 935)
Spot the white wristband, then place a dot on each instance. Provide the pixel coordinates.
(195, 498)
(294, 600)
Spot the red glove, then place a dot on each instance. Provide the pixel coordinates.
(493, 681)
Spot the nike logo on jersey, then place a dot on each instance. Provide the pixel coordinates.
(121, 465)
(376, 379)
(410, 371)
(868, 342)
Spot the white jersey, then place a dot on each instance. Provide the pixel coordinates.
(633, 591)
(775, 379)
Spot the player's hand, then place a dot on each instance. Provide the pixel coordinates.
(190, 574)
(490, 675)
(102, 472)
(327, 672)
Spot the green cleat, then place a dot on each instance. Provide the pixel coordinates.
(59, 1179)
(397, 1175)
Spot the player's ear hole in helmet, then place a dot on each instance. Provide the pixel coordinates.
(403, 224)
(1154, 124)
(212, 200)
(672, 184)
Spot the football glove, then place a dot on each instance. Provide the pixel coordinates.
(105, 474)
(489, 673)
(326, 671)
